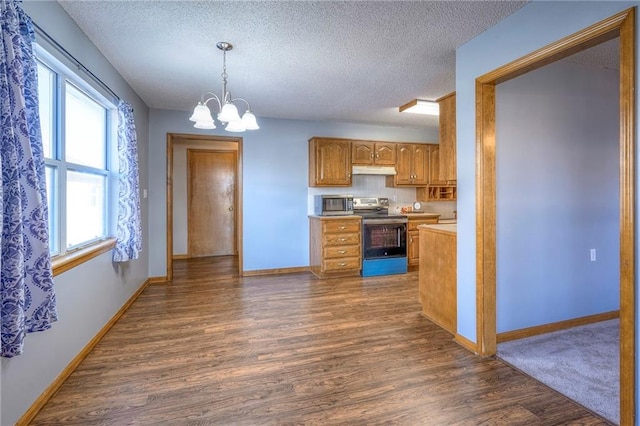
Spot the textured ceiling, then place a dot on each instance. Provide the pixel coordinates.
(322, 60)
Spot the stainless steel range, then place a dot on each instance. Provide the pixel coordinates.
(384, 237)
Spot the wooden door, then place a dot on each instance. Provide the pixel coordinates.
(404, 169)
(447, 170)
(434, 164)
(385, 154)
(413, 248)
(211, 201)
(334, 162)
(362, 153)
(420, 164)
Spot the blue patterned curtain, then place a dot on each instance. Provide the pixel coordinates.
(129, 237)
(28, 299)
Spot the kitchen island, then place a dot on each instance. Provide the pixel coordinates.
(437, 277)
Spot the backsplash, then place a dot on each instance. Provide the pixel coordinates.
(374, 186)
(445, 208)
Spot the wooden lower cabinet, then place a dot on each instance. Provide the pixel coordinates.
(437, 277)
(413, 240)
(335, 247)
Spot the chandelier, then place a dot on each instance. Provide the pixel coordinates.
(228, 112)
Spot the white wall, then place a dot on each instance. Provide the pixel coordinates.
(557, 195)
(275, 183)
(90, 294)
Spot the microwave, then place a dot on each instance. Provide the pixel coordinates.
(333, 205)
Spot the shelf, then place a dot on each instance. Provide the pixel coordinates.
(437, 193)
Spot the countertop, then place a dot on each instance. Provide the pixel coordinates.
(335, 217)
(449, 221)
(445, 228)
(420, 215)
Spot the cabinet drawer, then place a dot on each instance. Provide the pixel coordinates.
(329, 265)
(336, 226)
(413, 224)
(341, 239)
(341, 251)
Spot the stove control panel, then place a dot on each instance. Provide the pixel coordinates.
(370, 202)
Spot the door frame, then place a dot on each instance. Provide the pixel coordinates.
(235, 193)
(171, 137)
(620, 25)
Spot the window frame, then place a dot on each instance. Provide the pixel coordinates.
(64, 258)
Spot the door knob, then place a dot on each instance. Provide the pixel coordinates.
(231, 209)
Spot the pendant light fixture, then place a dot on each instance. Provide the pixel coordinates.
(228, 112)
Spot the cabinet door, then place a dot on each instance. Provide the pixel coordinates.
(332, 162)
(420, 164)
(434, 164)
(447, 126)
(413, 248)
(362, 153)
(404, 164)
(385, 154)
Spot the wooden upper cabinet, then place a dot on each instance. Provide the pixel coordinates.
(448, 137)
(434, 165)
(421, 164)
(412, 165)
(373, 153)
(329, 162)
(404, 165)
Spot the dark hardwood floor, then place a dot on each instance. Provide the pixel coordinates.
(215, 348)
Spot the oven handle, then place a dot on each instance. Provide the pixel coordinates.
(384, 221)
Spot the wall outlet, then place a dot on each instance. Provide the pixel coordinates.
(592, 253)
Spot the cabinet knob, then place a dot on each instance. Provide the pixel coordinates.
(342, 227)
(342, 251)
(343, 264)
(343, 239)
(348, 175)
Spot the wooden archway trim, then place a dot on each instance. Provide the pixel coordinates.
(203, 139)
(620, 25)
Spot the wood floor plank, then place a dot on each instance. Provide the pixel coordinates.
(213, 348)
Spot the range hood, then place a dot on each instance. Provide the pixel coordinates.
(373, 170)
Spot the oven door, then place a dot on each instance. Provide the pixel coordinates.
(384, 238)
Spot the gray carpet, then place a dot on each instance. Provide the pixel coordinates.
(582, 363)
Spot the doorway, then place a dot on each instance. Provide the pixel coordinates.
(621, 25)
(204, 197)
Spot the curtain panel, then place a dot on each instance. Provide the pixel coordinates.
(28, 298)
(129, 233)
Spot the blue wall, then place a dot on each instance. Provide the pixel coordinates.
(275, 183)
(557, 195)
(90, 294)
(534, 26)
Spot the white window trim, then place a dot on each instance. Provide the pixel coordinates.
(65, 258)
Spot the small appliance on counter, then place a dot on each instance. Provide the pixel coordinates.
(333, 205)
(384, 237)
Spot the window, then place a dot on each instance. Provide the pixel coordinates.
(77, 134)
